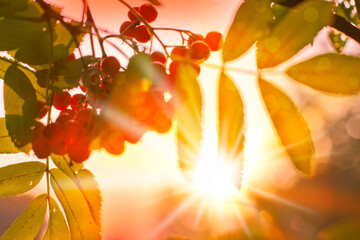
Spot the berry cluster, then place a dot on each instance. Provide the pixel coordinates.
(133, 28)
(119, 103)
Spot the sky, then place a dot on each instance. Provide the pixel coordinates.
(140, 188)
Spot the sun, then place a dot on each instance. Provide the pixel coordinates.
(212, 176)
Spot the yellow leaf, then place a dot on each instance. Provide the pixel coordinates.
(251, 20)
(231, 120)
(78, 214)
(57, 227)
(293, 32)
(331, 73)
(188, 102)
(290, 126)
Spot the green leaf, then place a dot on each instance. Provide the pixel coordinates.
(345, 230)
(5, 63)
(6, 145)
(21, 107)
(90, 189)
(231, 121)
(27, 225)
(64, 44)
(139, 67)
(65, 75)
(293, 32)
(57, 227)
(30, 37)
(19, 178)
(8, 7)
(78, 214)
(188, 102)
(251, 21)
(289, 125)
(331, 73)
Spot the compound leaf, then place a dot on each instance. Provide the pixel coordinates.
(289, 125)
(8, 7)
(188, 102)
(251, 20)
(19, 178)
(78, 214)
(293, 32)
(331, 73)
(57, 227)
(27, 225)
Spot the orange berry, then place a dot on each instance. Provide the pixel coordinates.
(214, 40)
(178, 52)
(199, 50)
(79, 150)
(195, 37)
(158, 57)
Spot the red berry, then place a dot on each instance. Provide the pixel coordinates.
(199, 50)
(158, 57)
(148, 12)
(141, 34)
(56, 138)
(61, 100)
(110, 65)
(129, 30)
(77, 102)
(41, 148)
(83, 88)
(173, 68)
(85, 117)
(195, 37)
(79, 150)
(42, 109)
(113, 143)
(178, 52)
(215, 40)
(71, 57)
(133, 134)
(131, 16)
(72, 130)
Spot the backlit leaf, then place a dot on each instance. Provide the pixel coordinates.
(78, 214)
(27, 225)
(251, 20)
(345, 230)
(57, 227)
(19, 178)
(289, 125)
(6, 145)
(5, 63)
(331, 73)
(8, 7)
(90, 189)
(231, 121)
(188, 113)
(293, 32)
(85, 181)
(21, 107)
